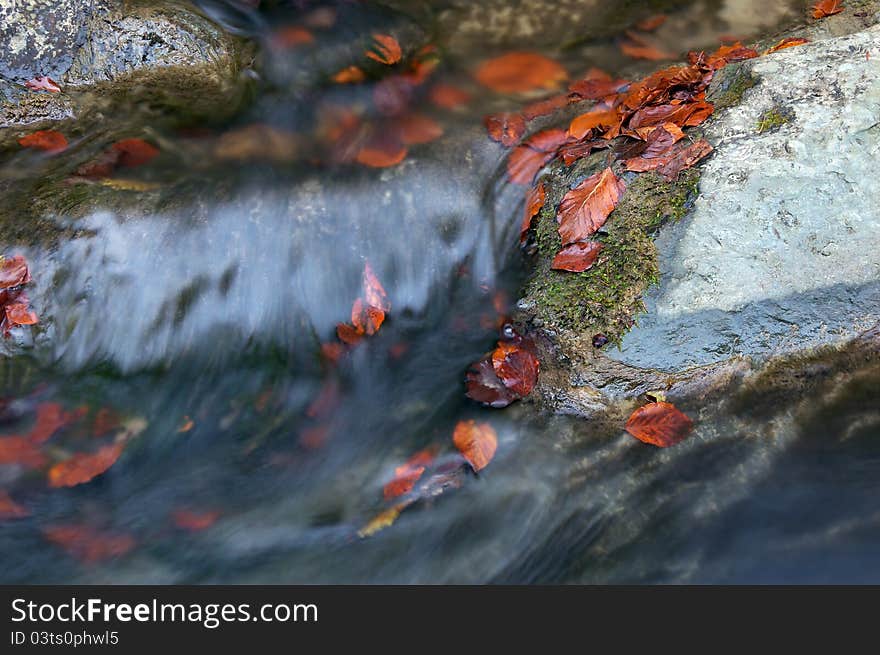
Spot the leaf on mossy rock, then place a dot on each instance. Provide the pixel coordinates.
(586, 207)
(516, 367)
(577, 257)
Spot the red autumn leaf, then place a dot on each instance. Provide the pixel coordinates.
(448, 96)
(507, 128)
(51, 417)
(658, 140)
(186, 425)
(477, 442)
(534, 201)
(9, 509)
(571, 152)
(647, 51)
(596, 119)
(102, 166)
(374, 292)
(578, 257)
(586, 207)
(385, 49)
(651, 23)
(332, 351)
(527, 159)
(683, 158)
(134, 152)
(43, 84)
(546, 106)
(105, 422)
(516, 367)
(825, 8)
(20, 450)
(365, 318)
(382, 151)
(48, 140)
(660, 424)
(17, 313)
(88, 544)
(484, 386)
(291, 36)
(350, 75)
(194, 521)
(596, 85)
(727, 54)
(83, 467)
(789, 42)
(13, 272)
(684, 115)
(417, 129)
(405, 478)
(349, 334)
(518, 72)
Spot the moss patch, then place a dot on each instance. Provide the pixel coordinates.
(773, 119)
(608, 297)
(730, 84)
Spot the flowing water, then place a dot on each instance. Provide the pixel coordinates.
(190, 308)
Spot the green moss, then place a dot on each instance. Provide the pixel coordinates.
(608, 297)
(730, 84)
(773, 119)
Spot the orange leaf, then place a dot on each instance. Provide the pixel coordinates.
(517, 72)
(382, 152)
(385, 49)
(578, 257)
(516, 367)
(595, 85)
(292, 36)
(660, 424)
(17, 313)
(9, 509)
(83, 467)
(825, 8)
(681, 158)
(571, 152)
(534, 201)
(527, 159)
(187, 425)
(648, 52)
(582, 126)
(194, 521)
(43, 84)
(789, 42)
(448, 96)
(687, 115)
(47, 140)
(404, 480)
(651, 23)
(51, 417)
(546, 106)
(418, 128)
(134, 152)
(586, 207)
(365, 318)
(349, 334)
(87, 544)
(477, 442)
(374, 292)
(483, 385)
(350, 75)
(507, 127)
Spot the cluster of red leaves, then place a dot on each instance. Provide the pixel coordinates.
(14, 303)
(825, 8)
(661, 424)
(367, 312)
(508, 373)
(50, 141)
(128, 153)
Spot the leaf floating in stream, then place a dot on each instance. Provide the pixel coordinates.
(477, 442)
(517, 72)
(661, 424)
(84, 467)
(49, 141)
(385, 49)
(516, 367)
(14, 302)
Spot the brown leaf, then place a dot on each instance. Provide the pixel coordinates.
(516, 367)
(349, 75)
(517, 72)
(684, 115)
(789, 42)
(546, 106)
(417, 129)
(83, 467)
(477, 442)
(599, 119)
(448, 96)
(685, 157)
(534, 201)
(385, 49)
(407, 474)
(134, 152)
(47, 140)
(51, 417)
(13, 272)
(660, 424)
(572, 152)
(596, 85)
(651, 23)
(578, 257)
(507, 128)
(257, 142)
(382, 151)
(87, 544)
(647, 52)
(20, 450)
(825, 8)
(586, 207)
(43, 84)
(365, 318)
(527, 159)
(484, 386)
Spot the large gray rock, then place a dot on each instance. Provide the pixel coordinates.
(782, 251)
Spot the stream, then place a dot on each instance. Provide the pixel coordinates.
(189, 305)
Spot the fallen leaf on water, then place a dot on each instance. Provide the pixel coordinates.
(516, 367)
(366, 318)
(381, 151)
(407, 474)
(483, 385)
(43, 84)
(385, 49)
(789, 42)
(13, 271)
(291, 36)
(648, 52)
(187, 425)
(477, 442)
(506, 128)
(577, 257)
(534, 201)
(314, 437)
(527, 159)
(121, 184)
(47, 140)
(349, 75)
(448, 96)
(194, 521)
(51, 417)
(417, 129)
(88, 544)
(83, 467)
(825, 8)
(374, 292)
(517, 72)
(381, 521)
(17, 313)
(660, 424)
(20, 450)
(651, 23)
(135, 152)
(9, 509)
(586, 207)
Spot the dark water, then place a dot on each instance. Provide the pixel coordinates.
(194, 308)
